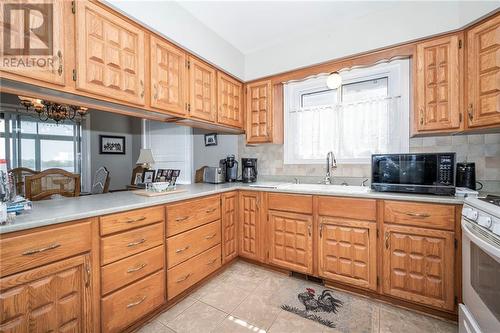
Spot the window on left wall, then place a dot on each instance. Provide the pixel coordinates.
(28, 142)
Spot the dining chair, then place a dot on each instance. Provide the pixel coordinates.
(52, 182)
(19, 175)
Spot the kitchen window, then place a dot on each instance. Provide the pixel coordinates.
(367, 114)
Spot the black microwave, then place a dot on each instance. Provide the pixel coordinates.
(414, 173)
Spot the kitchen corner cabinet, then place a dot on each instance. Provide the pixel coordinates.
(229, 226)
(249, 225)
(110, 58)
(168, 77)
(418, 265)
(55, 73)
(202, 90)
(483, 73)
(438, 85)
(52, 298)
(229, 100)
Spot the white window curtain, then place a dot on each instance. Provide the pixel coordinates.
(352, 130)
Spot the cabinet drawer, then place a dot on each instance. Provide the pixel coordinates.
(38, 248)
(183, 276)
(188, 215)
(190, 243)
(125, 271)
(135, 218)
(358, 209)
(123, 307)
(290, 203)
(119, 246)
(420, 214)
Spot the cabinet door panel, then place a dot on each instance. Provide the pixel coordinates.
(418, 265)
(229, 226)
(259, 108)
(202, 90)
(438, 84)
(483, 70)
(347, 251)
(53, 67)
(109, 54)
(249, 225)
(53, 298)
(168, 77)
(230, 101)
(290, 241)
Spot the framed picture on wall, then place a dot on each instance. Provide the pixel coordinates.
(111, 144)
(211, 139)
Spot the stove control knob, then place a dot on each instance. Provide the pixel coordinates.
(484, 221)
(466, 211)
(472, 215)
(496, 229)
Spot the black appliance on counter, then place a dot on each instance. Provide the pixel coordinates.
(466, 175)
(431, 173)
(230, 167)
(249, 170)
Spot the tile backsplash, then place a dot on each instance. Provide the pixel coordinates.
(483, 149)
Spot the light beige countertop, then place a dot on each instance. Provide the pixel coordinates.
(49, 212)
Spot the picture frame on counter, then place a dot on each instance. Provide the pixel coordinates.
(161, 175)
(113, 145)
(148, 176)
(211, 139)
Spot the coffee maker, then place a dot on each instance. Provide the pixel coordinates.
(466, 175)
(230, 167)
(249, 170)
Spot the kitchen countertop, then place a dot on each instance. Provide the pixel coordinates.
(49, 212)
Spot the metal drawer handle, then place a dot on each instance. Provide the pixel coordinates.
(136, 303)
(137, 268)
(422, 215)
(212, 262)
(181, 218)
(43, 249)
(140, 241)
(211, 236)
(211, 210)
(183, 278)
(181, 250)
(142, 218)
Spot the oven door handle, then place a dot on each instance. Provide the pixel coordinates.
(479, 241)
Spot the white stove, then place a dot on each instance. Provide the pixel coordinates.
(480, 312)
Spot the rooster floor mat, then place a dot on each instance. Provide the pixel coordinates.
(344, 312)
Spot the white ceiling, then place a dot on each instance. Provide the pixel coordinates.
(254, 25)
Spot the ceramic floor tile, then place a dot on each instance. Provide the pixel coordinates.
(236, 325)
(443, 326)
(225, 298)
(210, 285)
(238, 280)
(155, 327)
(259, 309)
(287, 322)
(199, 317)
(393, 319)
(169, 315)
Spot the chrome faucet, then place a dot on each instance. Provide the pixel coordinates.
(331, 164)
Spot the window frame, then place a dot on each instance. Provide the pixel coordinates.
(398, 74)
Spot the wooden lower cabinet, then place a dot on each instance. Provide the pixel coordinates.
(249, 225)
(290, 241)
(53, 298)
(229, 226)
(347, 251)
(418, 265)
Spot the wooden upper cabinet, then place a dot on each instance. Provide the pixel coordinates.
(109, 54)
(229, 226)
(249, 227)
(202, 90)
(483, 74)
(168, 77)
(52, 298)
(229, 100)
(418, 265)
(290, 241)
(56, 58)
(437, 81)
(347, 251)
(259, 112)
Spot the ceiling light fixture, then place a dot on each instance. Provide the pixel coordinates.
(334, 80)
(54, 111)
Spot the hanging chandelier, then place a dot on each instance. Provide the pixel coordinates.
(54, 111)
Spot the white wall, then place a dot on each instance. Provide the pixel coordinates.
(177, 24)
(210, 156)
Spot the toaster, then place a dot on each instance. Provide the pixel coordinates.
(214, 175)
